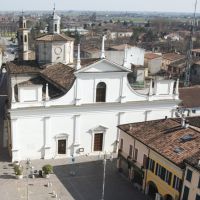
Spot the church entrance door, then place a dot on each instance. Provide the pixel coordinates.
(61, 146)
(98, 142)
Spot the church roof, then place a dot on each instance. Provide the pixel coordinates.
(23, 67)
(54, 37)
(60, 75)
(53, 90)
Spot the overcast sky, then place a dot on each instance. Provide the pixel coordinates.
(115, 5)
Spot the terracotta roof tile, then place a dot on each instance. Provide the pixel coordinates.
(23, 67)
(59, 74)
(54, 37)
(173, 56)
(194, 160)
(151, 56)
(164, 136)
(190, 96)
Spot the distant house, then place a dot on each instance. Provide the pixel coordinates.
(152, 155)
(153, 62)
(173, 37)
(169, 58)
(190, 97)
(196, 53)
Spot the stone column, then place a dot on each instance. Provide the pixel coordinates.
(47, 138)
(14, 136)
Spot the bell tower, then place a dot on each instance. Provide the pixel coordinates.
(22, 36)
(54, 25)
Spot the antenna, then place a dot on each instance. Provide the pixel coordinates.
(189, 52)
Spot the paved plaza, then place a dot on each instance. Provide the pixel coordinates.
(86, 184)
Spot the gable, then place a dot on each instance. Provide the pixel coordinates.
(103, 66)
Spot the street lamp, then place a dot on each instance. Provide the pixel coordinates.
(72, 172)
(104, 173)
(3, 75)
(28, 164)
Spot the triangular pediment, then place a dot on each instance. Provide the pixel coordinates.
(102, 66)
(99, 129)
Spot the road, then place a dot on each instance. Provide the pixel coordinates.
(87, 182)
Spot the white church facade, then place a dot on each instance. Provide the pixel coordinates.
(74, 109)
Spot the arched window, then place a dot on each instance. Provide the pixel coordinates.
(24, 25)
(25, 38)
(101, 92)
(56, 28)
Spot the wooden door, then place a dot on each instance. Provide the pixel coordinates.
(61, 146)
(98, 141)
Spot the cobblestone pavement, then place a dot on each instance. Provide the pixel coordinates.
(86, 184)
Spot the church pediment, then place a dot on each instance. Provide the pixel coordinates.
(103, 66)
(98, 129)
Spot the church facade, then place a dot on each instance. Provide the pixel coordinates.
(64, 108)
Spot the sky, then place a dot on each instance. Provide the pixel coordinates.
(102, 5)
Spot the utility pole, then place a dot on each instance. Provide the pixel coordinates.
(189, 52)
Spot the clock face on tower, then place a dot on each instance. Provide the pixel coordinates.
(58, 50)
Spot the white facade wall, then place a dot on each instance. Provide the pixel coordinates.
(76, 117)
(55, 52)
(30, 132)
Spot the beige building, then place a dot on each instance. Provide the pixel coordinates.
(153, 62)
(191, 185)
(152, 155)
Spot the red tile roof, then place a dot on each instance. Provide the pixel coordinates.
(54, 37)
(165, 137)
(151, 56)
(173, 56)
(190, 96)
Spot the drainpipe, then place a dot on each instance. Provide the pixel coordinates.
(145, 183)
(181, 190)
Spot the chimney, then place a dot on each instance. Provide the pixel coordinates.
(184, 123)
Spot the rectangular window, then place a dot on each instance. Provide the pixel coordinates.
(189, 175)
(163, 172)
(145, 161)
(121, 144)
(158, 170)
(176, 183)
(130, 150)
(136, 154)
(151, 165)
(185, 193)
(168, 177)
(197, 197)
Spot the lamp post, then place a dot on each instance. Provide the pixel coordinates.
(28, 163)
(104, 176)
(73, 173)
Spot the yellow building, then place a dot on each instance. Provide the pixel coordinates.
(165, 144)
(191, 184)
